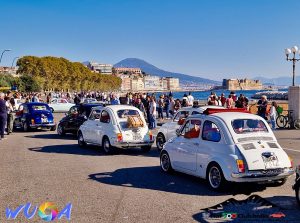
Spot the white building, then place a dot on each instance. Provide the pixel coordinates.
(100, 68)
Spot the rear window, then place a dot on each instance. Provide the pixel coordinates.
(241, 126)
(124, 113)
(39, 108)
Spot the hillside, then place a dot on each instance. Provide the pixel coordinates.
(153, 70)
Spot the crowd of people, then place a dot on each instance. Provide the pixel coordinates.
(154, 107)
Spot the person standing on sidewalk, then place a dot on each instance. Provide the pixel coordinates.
(152, 113)
(3, 116)
(10, 106)
(273, 114)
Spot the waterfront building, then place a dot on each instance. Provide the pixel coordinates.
(241, 84)
(172, 83)
(100, 68)
(137, 84)
(126, 70)
(126, 83)
(9, 70)
(152, 83)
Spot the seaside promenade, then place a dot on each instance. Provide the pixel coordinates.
(40, 166)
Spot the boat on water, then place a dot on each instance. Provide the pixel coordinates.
(273, 95)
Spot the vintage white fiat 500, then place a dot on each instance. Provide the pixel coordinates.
(109, 127)
(227, 146)
(168, 130)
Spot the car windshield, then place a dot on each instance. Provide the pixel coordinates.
(241, 126)
(39, 108)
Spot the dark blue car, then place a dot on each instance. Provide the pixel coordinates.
(34, 115)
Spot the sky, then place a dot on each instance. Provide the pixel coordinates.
(213, 39)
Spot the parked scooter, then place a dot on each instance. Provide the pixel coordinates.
(296, 186)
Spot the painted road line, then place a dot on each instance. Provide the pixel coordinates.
(292, 150)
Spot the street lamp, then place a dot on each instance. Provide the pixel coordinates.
(292, 51)
(3, 53)
(12, 64)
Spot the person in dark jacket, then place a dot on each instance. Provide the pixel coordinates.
(3, 115)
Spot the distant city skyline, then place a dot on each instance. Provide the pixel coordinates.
(211, 39)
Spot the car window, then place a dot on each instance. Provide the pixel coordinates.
(73, 110)
(95, 114)
(191, 129)
(105, 118)
(196, 113)
(241, 126)
(181, 114)
(25, 109)
(124, 113)
(39, 108)
(211, 132)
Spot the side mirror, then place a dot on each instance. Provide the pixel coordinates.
(178, 132)
(85, 118)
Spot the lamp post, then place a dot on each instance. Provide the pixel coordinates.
(3, 53)
(12, 64)
(292, 51)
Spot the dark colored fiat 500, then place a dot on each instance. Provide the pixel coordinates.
(34, 115)
(74, 118)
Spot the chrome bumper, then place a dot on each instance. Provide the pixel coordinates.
(132, 144)
(260, 176)
(42, 125)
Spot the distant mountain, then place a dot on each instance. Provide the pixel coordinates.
(153, 70)
(278, 81)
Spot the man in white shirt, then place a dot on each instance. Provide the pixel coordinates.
(190, 99)
(152, 124)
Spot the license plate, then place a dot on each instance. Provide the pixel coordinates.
(271, 164)
(44, 120)
(137, 137)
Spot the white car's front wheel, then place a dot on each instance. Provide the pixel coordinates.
(165, 162)
(215, 177)
(81, 141)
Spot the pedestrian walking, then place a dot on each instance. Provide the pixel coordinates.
(3, 116)
(273, 114)
(262, 107)
(10, 107)
(152, 113)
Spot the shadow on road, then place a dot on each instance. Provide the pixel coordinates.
(252, 209)
(52, 136)
(152, 178)
(90, 150)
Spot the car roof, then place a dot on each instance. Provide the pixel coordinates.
(91, 105)
(119, 107)
(228, 116)
(200, 108)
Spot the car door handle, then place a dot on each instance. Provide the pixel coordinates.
(196, 144)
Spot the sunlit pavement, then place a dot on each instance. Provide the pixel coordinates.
(40, 166)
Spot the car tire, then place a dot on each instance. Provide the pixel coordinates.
(26, 127)
(53, 128)
(60, 130)
(160, 141)
(146, 149)
(106, 146)
(80, 139)
(297, 191)
(52, 110)
(280, 182)
(215, 177)
(165, 162)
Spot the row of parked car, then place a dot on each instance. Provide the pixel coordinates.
(217, 144)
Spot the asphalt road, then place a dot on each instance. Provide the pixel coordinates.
(40, 166)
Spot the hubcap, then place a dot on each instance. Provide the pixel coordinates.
(165, 162)
(59, 130)
(214, 177)
(80, 139)
(106, 145)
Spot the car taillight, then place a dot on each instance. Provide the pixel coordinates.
(291, 161)
(241, 166)
(150, 135)
(32, 121)
(119, 137)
